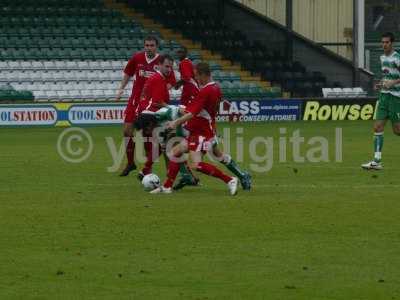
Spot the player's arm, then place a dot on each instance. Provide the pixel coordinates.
(378, 85)
(390, 83)
(168, 113)
(122, 86)
(178, 122)
(160, 104)
(185, 69)
(192, 110)
(163, 114)
(129, 71)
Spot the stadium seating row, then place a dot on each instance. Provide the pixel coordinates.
(55, 11)
(107, 89)
(94, 44)
(82, 42)
(78, 53)
(66, 53)
(88, 21)
(26, 65)
(51, 3)
(82, 74)
(76, 31)
(73, 90)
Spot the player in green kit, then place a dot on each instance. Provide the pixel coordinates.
(149, 121)
(388, 106)
(153, 124)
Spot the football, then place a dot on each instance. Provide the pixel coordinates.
(151, 182)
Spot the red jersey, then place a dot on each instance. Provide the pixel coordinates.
(190, 87)
(142, 68)
(204, 109)
(155, 92)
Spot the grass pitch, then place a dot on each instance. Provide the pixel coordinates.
(306, 231)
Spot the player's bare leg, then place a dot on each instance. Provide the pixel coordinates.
(376, 163)
(396, 129)
(197, 164)
(230, 164)
(128, 133)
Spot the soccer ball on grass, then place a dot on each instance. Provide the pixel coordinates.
(151, 182)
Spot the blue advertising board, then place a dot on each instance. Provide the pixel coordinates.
(76, 114)
(259, 111)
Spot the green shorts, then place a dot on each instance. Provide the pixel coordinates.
(388, 108)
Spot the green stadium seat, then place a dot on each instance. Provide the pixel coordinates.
(119, 53)
(23, 32)
(8, 53)
(194, 55)
(6, 32)
(76, 42)
(91, 32)
(86, 53)
(98, 53)
(57, 53)
(237, 84)
(26, 95)
(12, 41)
(5, 95)
(234, 76)
(214, 66)
(98, 42)
(217, 75)
(27, 10)
(75, 53)
(224, 76)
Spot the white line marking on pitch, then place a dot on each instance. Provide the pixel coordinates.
(327, 186)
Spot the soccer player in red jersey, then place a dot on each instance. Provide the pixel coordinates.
(199, 117)
(141, 66)
(189, 93)
(155, 96)
(155, 92)
(190, 87)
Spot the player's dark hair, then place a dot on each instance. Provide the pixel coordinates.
(389, 35)
(165, 57)
(145, 121)
(151, 38)
(203, 68)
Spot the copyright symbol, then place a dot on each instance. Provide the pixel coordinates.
(74, 145)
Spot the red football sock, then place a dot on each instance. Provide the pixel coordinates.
(150, 157)
(173, 170)
(212, 170)
(130, 150)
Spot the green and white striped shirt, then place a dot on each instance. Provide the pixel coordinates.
(391, 71)
(164, 115)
